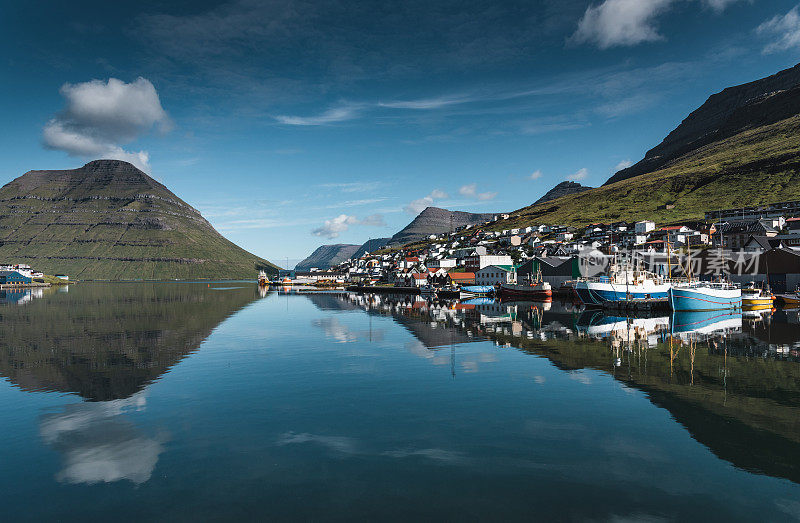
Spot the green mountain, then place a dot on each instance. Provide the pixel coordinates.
(744, 162)
(109, 220)
(725, 114)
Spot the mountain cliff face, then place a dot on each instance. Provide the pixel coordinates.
(326, 256)
(562, 189)
(109, 220)
(436, 221)
(723, 115)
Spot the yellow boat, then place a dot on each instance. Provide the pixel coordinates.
(755, 297)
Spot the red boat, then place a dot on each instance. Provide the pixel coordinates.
(539, 290)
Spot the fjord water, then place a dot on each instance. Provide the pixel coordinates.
(187, 401)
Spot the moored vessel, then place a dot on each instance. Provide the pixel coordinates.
(704, 296)
(754, 298)
(536, 290)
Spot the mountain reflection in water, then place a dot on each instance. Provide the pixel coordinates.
(732, 380)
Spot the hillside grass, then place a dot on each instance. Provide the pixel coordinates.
(755, 167)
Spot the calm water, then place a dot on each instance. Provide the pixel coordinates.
(183, 401)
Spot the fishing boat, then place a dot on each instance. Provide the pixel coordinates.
(622, 285)
(262, 279)
(704, 296)
(754, 298)
(540, 290)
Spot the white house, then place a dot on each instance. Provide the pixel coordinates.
(644, 227)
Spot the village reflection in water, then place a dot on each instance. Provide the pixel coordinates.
(731, 379)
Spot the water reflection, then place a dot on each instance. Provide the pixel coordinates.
(98, 444)
(108, 341)
(732, 380)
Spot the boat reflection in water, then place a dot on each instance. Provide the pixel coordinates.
(732, 381)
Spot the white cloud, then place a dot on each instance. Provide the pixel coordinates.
(339, 114)
(581, 174)
(100, 117)
(332, 228)
(426, 103)
(620, 23)
(785, 30)
(420, 204)
(624, 164)
(471, 191)
(535, 175)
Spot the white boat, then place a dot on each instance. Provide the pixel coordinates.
(622, 285)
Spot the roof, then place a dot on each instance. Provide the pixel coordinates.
(8, 273)
(412, 259)
(507, 268)
(462, 275)
(419, 275)
(671, 228)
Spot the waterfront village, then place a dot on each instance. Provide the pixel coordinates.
(760, 244)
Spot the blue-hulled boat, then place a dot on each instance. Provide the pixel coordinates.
(705, 296)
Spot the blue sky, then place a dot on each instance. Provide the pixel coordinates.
(292, 124)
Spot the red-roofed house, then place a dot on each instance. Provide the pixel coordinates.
(462, 278)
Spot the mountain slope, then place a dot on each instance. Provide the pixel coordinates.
(326, 256)
(724, 115)
(109, 220)
(436, 221)
(562, 189)
(371, 246)
(754, 167)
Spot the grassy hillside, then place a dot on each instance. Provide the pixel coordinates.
(754, 167)
(109, 220)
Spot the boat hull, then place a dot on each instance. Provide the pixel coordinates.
(597, 293)
(511, 290)
(704, 299)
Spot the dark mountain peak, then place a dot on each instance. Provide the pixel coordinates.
(98, 177)
(326, 256)
(562, 189)
(723, 115)
(434, 220)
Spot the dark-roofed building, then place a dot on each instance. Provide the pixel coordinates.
(736, 234)
(554, 270)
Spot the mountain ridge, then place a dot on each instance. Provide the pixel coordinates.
(434, 220)
(723, 115)
(562, 189)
